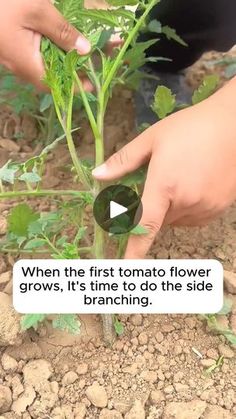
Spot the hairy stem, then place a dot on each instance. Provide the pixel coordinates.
(17, 194)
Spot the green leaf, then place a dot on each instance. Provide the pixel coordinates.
(35, 244)
(30, 177)
(230, 71)
(112, 18)
(206, 89)
(164, 102)
(7, 172)
(20, 218)
(80, 234)
(67, 322)
(45, 103)
(118, 326)
(120, 3)
(155, 26)
(171, 34)
(136, 178)
(135, 56)
(139, 230)
(32, 320)
(227, 307)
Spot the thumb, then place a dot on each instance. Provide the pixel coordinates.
(48, 21)
(128, 159)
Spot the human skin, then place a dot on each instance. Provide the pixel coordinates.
(22, 23)
(191, 176)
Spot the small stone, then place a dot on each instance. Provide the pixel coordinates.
(97, 395)
(136, 412)
(168, 389)
(159, 337)
(226, 351)
(212, 353)
(9, 145)
(110, 414)
(182, 410)
(5, 399)
(25, 400)
(217, 412)
(136, 319)
(150, 376)
(230, 281)
(9, 364)
(80, 411)
(10, 329)
(82, 369)
(143, 338)
(5, 277)
(179, 387)
(208, 362)
(69, 378)
(156, 397)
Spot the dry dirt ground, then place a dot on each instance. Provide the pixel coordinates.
(157, 369)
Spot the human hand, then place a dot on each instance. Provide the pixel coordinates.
(22, 23)
(192, 167)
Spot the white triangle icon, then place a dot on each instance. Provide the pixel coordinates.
(116, 209)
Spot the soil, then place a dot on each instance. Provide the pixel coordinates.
(157, 368)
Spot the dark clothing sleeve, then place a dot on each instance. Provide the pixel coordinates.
(204, 25)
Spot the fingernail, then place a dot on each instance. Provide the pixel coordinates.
(82, 45)
(100, 171)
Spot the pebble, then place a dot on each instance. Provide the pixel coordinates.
(97, 395)
(143, 338)
(159, 337)
(156, 397)
(185, 410)
(82, 369)
(226, 351)
(80, 411)
(69, 378)
(9, 364)
(110, 414)
(5, 399)
(136, 319)
(230, 281)
(150, 376)
(136, 412)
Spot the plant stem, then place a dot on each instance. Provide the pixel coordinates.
(51, 125)
(126, 44)
(38, 252)
(71, 146)
(15, 194)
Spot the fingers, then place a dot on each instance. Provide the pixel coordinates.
(128, 159)
(156, 202)
(46, 20)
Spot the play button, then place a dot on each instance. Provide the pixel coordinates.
(117, 209)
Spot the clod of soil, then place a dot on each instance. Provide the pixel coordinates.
(5, 399)
(10, 330)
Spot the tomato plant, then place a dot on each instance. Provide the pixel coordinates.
(31, 232)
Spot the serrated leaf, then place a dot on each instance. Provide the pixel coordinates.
(155, 26)
(32, 320)
(136, 178)
(34, 244)
(171, 34)
(20, 218)
(135, 56)
(67, 322)
(164, 102)
(112, 18)
(206, 89)
(31, 177)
